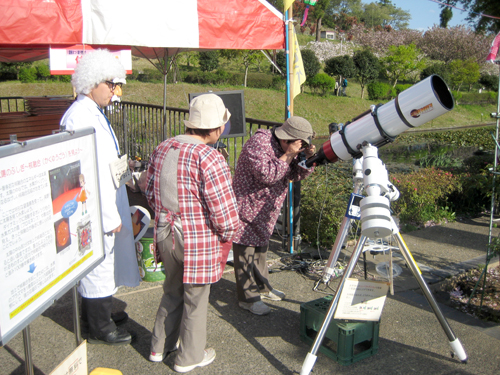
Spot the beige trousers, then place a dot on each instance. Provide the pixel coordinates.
(183, 308)
(250, 269)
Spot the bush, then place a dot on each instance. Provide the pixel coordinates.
(43, 72)
(324, 198)
(489, 81)
(65, 78)
(400, 88)
(476, 98)
(208, 60)
(380, 91)
(322, 82)
(150, 75)
(424, 196)
(27, 74)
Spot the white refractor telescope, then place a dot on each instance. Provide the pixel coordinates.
(381, 124)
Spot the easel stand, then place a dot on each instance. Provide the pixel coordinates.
(374, 231)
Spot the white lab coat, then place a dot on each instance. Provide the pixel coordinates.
(120, 264)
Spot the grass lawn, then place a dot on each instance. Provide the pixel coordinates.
(264, 104)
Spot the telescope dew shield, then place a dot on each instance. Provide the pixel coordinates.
(421, 103)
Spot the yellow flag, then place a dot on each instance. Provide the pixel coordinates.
(287, 4)
(299, 75)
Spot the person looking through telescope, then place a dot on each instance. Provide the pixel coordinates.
(268, 161)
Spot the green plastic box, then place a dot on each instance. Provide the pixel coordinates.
(345, 341)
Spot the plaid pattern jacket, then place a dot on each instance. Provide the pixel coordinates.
(260, 184)
(207, 206)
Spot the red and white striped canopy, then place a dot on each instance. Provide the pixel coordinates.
(29, 27)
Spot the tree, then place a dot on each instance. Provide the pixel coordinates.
(464, 73)
(476, 9)
(318, 13)
(489, 81)
(402, 62)
(311, 63)
(380, 41)
(455, 43)
(280, 60)
(208, 60)
(384, 13)
(445, 17)
(342, 66)
(13, 69)
(367, 67)
(439, 68)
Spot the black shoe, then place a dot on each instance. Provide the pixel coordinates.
(117, 337)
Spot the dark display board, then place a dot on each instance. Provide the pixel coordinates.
(235, 103)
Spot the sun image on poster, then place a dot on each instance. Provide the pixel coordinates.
(63, 238)
(69, 197)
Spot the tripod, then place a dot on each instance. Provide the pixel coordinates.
(376, 223)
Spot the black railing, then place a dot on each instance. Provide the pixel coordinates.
(139, 128)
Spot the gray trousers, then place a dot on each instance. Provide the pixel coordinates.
(183, 309)
(250, 269)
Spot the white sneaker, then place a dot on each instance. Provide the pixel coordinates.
(159, 357)
(257, 308)
(274, 295)
(208, 359)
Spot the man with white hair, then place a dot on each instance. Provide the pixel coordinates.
(98, 76)
(189, 188)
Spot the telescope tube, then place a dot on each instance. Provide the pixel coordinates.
(421, 103)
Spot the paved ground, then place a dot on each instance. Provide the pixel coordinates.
(410, 337)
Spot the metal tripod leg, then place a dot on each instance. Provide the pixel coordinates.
(455, 344)
(311, 356)
(337, 246)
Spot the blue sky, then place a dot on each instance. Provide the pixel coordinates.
(425, 13)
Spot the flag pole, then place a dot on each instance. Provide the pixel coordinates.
(289, 112)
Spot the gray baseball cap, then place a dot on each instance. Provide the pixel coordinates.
(295, 127)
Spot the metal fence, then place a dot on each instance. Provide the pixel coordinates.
(141, 127)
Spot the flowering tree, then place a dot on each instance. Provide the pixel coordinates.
(380, 41)
(455, 43)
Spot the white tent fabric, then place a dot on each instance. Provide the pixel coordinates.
(28, 28)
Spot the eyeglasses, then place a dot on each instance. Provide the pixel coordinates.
(112, 86)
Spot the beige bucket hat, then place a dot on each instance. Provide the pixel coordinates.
(207, 111)
(295, 127)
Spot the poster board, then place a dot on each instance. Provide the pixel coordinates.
(235, 103)
(51, 231)
(362, 300)
(75, 363)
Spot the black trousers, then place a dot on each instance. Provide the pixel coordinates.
(97, 312)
